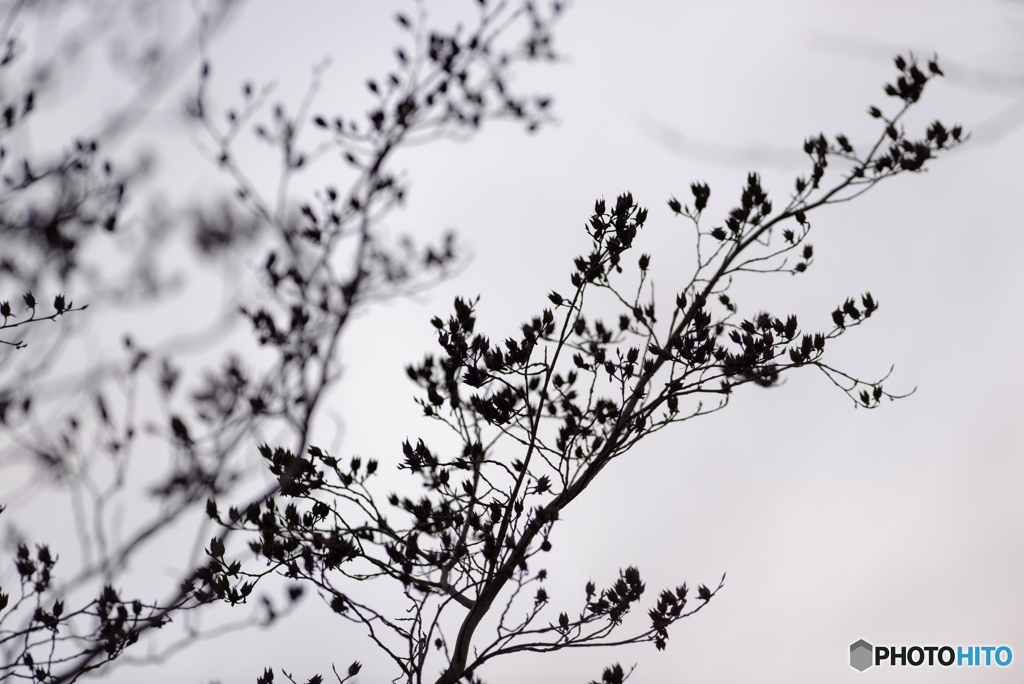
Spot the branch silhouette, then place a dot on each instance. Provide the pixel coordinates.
(537, 416)
(540, 416)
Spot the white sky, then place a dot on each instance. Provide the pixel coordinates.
(900, 526)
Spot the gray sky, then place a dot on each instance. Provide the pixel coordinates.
(901, 526)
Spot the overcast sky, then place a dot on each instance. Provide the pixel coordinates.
(901, 526)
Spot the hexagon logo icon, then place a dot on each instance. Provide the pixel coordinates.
(860, 655)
